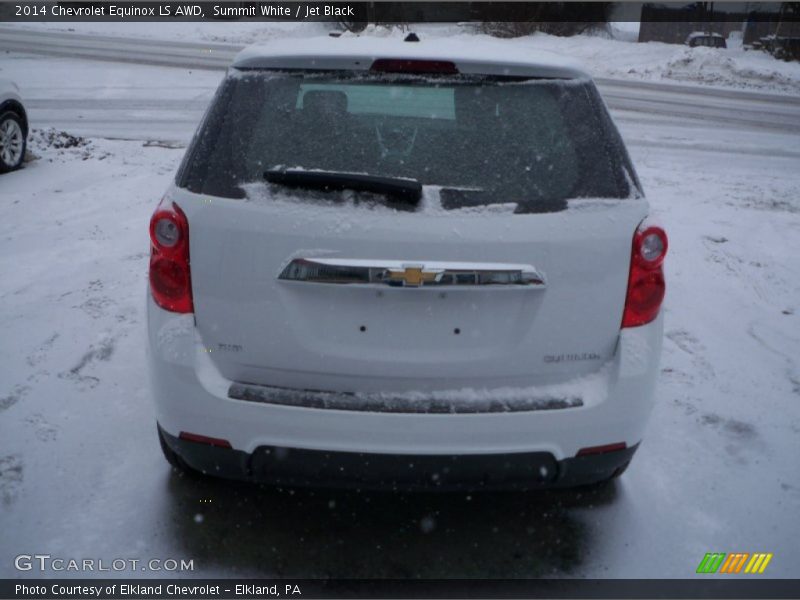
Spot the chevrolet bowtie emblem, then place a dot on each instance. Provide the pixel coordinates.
(412, 275)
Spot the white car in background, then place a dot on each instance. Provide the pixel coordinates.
(13, 127)
(404, 264)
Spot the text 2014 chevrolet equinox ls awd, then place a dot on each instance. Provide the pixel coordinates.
(404, 264)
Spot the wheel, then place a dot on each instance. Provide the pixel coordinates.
(177, 463)
(12, 141)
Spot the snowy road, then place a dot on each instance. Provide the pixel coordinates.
(116, 48)
(688, 104)
(80, 471)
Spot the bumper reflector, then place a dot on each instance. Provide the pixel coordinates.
(601, 449)
(201, 439)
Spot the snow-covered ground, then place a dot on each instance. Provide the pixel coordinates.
(132, 101)
(107, 99)
(81, 474)
(655, 61)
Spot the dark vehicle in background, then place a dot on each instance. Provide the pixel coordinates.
(709, 40)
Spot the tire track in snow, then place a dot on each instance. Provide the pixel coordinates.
(100, 352)
(11, 474)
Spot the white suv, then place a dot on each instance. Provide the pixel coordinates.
(13, 127)
(404, 264)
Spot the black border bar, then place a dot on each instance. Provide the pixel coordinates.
(394, 12)
(703, 586)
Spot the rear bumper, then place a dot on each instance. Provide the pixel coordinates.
(192, 396)
(360, 470)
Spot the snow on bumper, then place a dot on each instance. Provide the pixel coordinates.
(192, 396)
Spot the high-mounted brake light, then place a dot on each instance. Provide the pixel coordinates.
(646, 285)
(170, 275)
(393, 65)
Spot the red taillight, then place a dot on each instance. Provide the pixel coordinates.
(394, 65)
(170, 276)
(646, 286)
(202, 439)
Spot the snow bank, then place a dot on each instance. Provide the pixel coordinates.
(655, 61)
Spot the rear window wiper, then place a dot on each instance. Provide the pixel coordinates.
(407, 190)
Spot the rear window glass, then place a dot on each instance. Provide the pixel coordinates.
(420, 102)
(534, 143)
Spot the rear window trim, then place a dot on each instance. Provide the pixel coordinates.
(466, 78)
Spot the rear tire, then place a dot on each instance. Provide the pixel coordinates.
(178, 464)
(12, 141)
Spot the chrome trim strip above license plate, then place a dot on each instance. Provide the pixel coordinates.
(410, 274)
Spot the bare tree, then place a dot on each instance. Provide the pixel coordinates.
(555, 18)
